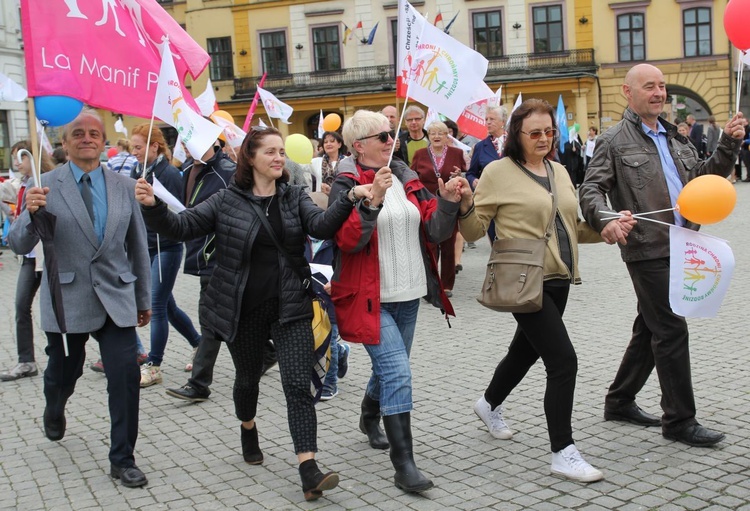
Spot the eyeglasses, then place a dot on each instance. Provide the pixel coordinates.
(537, 134)
(383, 136)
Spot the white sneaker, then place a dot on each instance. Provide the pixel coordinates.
(150, 375)
(493, 419)
(569, 464)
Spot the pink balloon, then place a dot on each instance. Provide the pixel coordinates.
(736, 23)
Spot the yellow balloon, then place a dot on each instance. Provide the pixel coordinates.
(707, 199)
(331, 122)
(298, 148)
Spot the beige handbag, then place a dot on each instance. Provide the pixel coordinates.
(515, 270)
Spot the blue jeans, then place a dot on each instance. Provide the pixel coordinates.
(164, 310)
(390, 382)
(332, 376)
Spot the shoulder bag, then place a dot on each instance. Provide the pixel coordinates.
(321, 323)
(515, 270)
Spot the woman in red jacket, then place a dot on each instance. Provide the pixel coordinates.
(440, 160)
(383, 268)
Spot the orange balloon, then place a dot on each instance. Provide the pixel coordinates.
(707, 199)
(331, 122)
(224, 115)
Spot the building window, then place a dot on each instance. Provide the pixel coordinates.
(326, 48)
(697, 29)
(488, 33)
(220, 50)
(273, 53)
(548, 28)
(631, 44)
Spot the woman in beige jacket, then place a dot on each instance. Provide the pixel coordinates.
(515, 192)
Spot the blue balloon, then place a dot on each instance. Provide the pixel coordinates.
(56, 110)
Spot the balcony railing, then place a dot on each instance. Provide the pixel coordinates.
(383, 77)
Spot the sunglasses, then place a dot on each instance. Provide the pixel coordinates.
(537, 134)
(382, 137)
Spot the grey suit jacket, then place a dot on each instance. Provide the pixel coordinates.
(112, 279)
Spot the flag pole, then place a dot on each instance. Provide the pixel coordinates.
(406, 99)
(739, 81)
(254, 104)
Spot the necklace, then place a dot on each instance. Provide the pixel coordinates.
(269, 204)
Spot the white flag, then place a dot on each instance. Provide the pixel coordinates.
(166, 196)
(700, 269)
(232, 132)
(120, 127)
(262, 124)
(197, 133)
(443, 73)
(496, 98)
(518, 102)
(43, 136)
(457, 143)
(179, 153)
(321, 129)
(432, 116)
(10, 90)
(275, 108)
(207, 101)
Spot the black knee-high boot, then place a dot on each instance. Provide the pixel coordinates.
(408, 477)
(369, 423)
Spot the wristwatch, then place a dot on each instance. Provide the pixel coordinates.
(352, 196)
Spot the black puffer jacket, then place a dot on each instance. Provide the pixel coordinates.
(229, 215)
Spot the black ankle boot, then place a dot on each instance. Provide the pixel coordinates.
(369, 423)
(408, 477)
(250, 448)
(314, 481)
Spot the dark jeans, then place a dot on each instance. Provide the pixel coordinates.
(660, 339)
(294, 347)
(118, 347)
(205, 358)
(164, 310)
(26, 287)
(542, 334)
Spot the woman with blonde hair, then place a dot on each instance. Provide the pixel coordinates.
(166, 255)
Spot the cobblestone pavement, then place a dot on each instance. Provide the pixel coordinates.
(191, 452)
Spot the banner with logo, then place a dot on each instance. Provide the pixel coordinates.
(102, 52)
(437, 70)
(700, 270)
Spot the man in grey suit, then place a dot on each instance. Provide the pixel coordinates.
(105, 276)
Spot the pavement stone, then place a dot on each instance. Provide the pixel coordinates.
(191, 452)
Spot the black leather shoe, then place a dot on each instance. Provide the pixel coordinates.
(189, 393)
(132, 477)
(54, 427)
(695, 435)
(632, 414)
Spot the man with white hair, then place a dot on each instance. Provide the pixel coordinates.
(415, 136)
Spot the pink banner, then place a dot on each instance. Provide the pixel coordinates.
(103, 52)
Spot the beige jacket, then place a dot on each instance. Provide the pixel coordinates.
(521, 207)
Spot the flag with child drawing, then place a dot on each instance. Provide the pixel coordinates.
(435, 69)
(700, 269)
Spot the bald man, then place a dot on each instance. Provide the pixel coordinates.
(642, 164)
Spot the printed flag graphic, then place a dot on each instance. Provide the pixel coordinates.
(105, 53)
(438, 71)
(700, 270)
(170, 106)
(275, 108)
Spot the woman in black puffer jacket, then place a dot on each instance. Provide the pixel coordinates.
(254, 293)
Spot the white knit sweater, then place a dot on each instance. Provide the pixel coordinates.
(402, 272)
